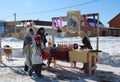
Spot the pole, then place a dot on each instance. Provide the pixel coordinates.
(53, 40)
(0, 50)
(97, 47)
(15, 22)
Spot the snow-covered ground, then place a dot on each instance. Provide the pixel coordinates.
(108, 66)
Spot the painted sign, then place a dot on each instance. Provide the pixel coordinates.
(73, 21)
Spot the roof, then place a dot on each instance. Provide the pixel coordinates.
(114, 18)
(36, 22)
(92, 20)
(12, 23)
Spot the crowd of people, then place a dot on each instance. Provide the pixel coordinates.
(35, 42)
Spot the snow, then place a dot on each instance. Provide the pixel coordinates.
(108, 66)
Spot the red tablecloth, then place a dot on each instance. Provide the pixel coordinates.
(60, 54)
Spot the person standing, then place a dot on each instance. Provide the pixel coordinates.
(85, 41)
(37, 59)
(41, 32)
(86, 44)
(27, 49)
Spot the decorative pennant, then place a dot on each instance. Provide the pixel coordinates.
(94, 20)
(85, 20)
(60, 26)
(57, 23)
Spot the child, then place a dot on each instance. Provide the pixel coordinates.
(37, 56)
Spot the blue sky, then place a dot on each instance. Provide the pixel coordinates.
(34, 9)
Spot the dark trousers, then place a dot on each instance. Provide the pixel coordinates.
(36, 68)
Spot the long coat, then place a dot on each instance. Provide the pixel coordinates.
(37, 54)
(27, 49)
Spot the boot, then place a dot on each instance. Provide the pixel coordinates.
(39, 73)
(25, 68)
(30, 73)
(38, 70)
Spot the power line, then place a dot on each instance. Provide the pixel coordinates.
(61, 8)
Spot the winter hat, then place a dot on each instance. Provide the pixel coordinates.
(37, 37)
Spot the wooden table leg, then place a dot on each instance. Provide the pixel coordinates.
(0, 57)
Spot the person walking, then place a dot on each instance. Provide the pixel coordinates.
(37, 59)
(27, 49)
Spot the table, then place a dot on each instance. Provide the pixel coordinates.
(84, 56)
(69, 55)
(61, 54)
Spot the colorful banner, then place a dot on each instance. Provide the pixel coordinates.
(61, 20)
(57, 22)
(73, 20)
(94, 20)
(85, 20)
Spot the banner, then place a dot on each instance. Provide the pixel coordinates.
(85, 20)
(57, 22)
(73, 20)
(94, 20)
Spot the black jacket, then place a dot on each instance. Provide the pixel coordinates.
(86, 42)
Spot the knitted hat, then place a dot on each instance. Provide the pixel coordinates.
(37, 37)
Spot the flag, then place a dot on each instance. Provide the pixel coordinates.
(85, 20)
(94, 20)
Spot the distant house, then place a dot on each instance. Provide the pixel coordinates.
(115, 22)
(114, 25)
(19, 27)
(91, 30)
(2, 24)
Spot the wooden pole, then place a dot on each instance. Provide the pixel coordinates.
(97, 47)
(0, 50)
(15, 22)
(53, 40)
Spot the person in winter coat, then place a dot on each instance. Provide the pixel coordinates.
(85, 41)
(27, 49)
(86, 44)
(37, 59)
(41, 32)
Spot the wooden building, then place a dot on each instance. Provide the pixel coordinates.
(13, 30)
(114, 25)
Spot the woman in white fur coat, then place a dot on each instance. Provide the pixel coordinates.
(37, 59)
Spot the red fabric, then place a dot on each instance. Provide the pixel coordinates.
(44, 55)
(60, 54)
